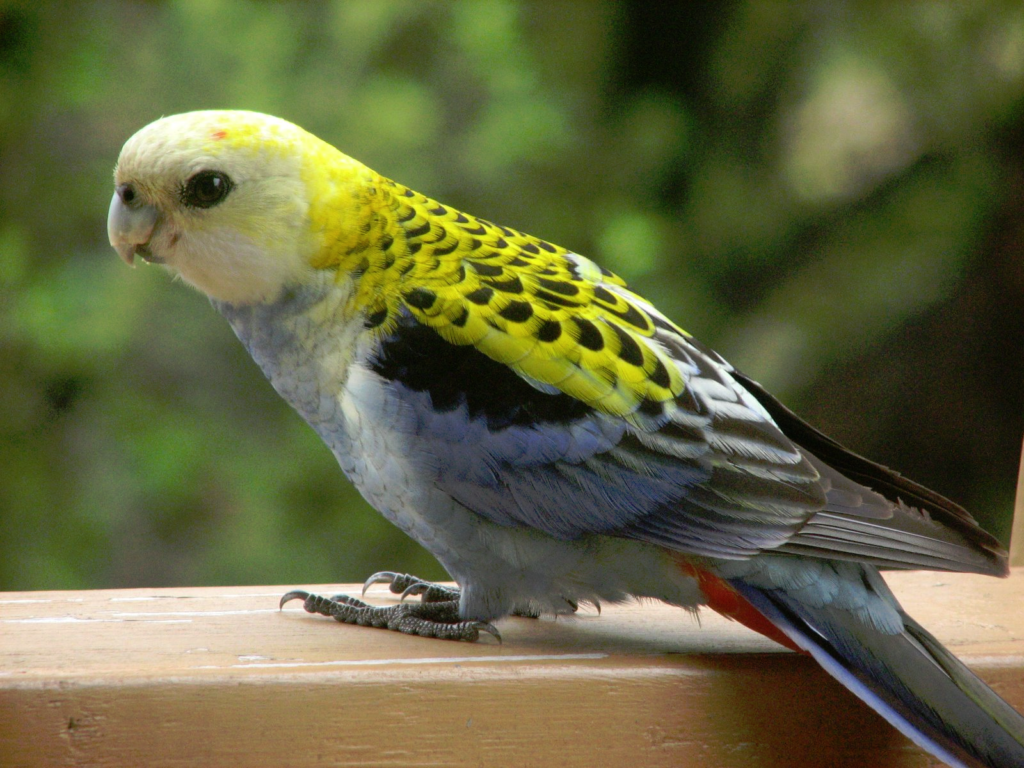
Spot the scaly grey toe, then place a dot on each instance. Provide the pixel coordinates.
(439, 620)
(406, 585)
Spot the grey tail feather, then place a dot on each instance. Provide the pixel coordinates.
(908, 678)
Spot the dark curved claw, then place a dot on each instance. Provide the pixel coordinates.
(490, 629)
(295, 594)
(419, 588)
(380, 577)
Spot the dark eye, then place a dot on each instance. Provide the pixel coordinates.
(205, 189)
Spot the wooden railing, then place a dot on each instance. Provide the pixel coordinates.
(1017, 533)
(220, 677)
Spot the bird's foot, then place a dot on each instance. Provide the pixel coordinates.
(435, 618)
(406, 585)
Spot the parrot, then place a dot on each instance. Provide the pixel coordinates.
(547, 434)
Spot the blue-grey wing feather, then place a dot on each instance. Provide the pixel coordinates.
(712, 475)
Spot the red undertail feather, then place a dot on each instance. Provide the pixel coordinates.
(727, 601)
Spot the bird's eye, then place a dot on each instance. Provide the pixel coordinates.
(205, 189)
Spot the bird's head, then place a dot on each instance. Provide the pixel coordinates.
(223, 199)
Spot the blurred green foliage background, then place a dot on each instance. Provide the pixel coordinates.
(830, 193)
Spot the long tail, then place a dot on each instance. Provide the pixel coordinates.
(908, 678)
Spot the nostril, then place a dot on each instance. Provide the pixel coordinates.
(127, 193)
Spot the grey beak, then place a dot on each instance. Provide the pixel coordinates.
(130, 223)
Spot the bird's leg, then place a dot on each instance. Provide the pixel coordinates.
(406, 585)
(437, 615)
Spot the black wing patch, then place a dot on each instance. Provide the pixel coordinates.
(416, 356)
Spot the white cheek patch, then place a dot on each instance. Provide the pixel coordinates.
(228, 266)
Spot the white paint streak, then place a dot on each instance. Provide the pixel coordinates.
(131, 614)
(189, 597)
(427, 660)
(77, 620)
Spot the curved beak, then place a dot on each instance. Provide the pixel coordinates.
(130, 225)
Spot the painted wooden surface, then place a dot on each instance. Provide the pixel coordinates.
(170, 677)
(1017, 535)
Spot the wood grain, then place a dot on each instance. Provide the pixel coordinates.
(219, 676)
(1017, 529)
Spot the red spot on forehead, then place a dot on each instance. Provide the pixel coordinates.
(218, 135)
